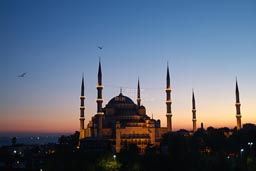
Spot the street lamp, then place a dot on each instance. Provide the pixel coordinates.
(241, 152)
(114, 156)
(250, 144)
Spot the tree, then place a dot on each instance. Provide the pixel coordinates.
(14, 141)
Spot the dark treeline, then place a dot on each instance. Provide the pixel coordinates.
(211, 149)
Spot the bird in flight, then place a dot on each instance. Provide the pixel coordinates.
(22, 75)
(100, 47)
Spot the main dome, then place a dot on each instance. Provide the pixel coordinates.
(120, 99)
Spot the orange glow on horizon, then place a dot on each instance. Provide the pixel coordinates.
(64, 120)
(70, 125)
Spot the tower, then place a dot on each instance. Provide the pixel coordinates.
(193, 112)
(238, 104)
(168, 101)
(138, 94)
(82, 107)
(99, 102)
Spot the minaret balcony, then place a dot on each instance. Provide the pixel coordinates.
(238, 104)
(168, 89)
(193, 110)
(168, 114)
(238, 116)
(99, 100)
(168, 102)
(194, 119)
(82, 107)
(99, 86)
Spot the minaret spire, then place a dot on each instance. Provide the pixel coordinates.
(99, 74)
(99, 101)
(82, 107)
(168, 101)
(82, 86)
(237, 93)
(193, 111)
(138, 93)
(238, 111)
(168, 76)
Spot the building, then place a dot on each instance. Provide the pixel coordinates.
(121, 121)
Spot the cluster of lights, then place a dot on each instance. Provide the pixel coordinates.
(250, 144)
(242, 150)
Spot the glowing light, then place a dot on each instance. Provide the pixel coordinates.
(250, 144)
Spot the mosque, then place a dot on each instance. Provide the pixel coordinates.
(122, 122)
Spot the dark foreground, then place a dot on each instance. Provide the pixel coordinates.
(211, 150)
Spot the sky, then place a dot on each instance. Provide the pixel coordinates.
(207, 44)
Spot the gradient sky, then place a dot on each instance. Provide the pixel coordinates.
(207, 44)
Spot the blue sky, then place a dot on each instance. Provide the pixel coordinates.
(206, 43)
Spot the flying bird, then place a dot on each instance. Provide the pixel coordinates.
(22, 75)
(100, 47)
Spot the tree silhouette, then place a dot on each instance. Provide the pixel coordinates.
(14, 141)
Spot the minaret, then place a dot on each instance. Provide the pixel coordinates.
(238, 104)
(138, 94)
(99, 102)
(168, 101)
(82, 107)
(194, 112)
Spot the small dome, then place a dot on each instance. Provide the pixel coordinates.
(142, 107)
(151, 121)
(142, 110)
